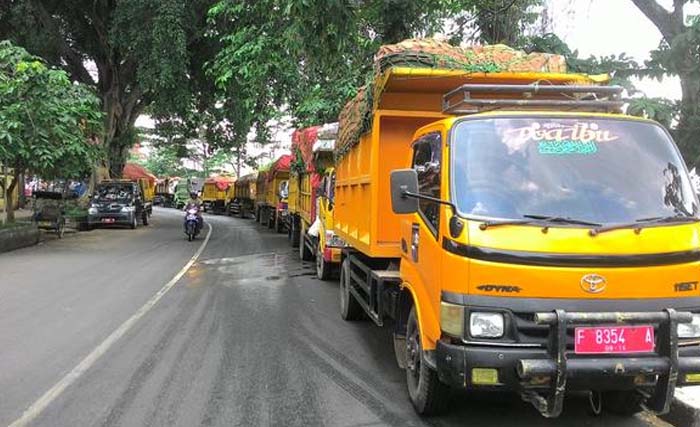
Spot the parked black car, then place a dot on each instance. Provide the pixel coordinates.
(117, 203)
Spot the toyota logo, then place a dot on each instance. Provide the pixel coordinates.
(593, 283)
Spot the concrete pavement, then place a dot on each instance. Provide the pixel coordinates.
(246, 337)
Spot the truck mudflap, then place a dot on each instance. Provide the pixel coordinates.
(665, 364)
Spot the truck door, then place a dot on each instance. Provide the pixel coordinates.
(423, 238)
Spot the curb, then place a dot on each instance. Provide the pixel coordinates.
(18, 237)
(685, 410)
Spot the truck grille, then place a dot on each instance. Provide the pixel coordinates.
(528, 332)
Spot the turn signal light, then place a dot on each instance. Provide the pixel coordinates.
(485, 376)
(692, 378)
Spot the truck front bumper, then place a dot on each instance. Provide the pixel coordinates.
(543, 374)
(117, 218)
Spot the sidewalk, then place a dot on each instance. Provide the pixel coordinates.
(687, 407)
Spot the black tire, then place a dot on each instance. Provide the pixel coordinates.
(350, 309)
(324, 270)
(304, 252)
(623, 402)
(279, 225)
(428, 395)
(294, 233)
(133, 223)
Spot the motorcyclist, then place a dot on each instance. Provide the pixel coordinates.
(196, 202)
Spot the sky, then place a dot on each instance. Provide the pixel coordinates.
(605, 27)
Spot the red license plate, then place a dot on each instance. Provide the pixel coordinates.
(108, 220)
(614, 339)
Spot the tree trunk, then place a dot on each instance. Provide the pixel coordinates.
(120, 134)
(10, 200)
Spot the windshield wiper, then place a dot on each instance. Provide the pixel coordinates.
(537, 219)
(642, 222)
(562, 220)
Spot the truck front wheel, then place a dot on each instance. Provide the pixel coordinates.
(428, 395)
(323, 269)
(350, 309)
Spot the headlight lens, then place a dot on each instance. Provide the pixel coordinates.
(452, 319)
(127, 209)
(334, 241)
(690, 330)
(92, 210)
(486, 325)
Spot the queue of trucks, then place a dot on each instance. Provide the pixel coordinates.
(516, 231)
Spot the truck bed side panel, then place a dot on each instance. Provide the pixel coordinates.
(306, 200)
(363, 217)
(293, 201)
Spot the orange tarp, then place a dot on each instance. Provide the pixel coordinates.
(135, 171)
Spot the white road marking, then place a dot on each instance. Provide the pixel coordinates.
(44, 401)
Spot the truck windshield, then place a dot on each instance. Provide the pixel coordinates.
(605, 171)
(114, 193)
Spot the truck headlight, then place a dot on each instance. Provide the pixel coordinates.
(690, 330)
(127, 209)
(452, 319)
(486, 325)
(334, 241)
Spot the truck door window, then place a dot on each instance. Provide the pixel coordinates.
(427, 152)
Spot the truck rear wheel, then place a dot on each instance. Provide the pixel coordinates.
(428, 395)
(350, 309)
(294, 233)
(279, 225)
(304, 252)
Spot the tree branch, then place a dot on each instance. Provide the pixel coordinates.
(659, 16)
(73, 60)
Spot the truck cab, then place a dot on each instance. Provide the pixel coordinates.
(549, 247)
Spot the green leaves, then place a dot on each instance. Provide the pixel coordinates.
(46, 121)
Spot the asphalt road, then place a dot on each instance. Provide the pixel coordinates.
(246, 337)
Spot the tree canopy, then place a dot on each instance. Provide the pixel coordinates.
(137, 54)
(48, 125)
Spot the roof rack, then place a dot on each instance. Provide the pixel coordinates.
(560, 97)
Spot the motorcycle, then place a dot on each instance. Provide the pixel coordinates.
(192, 223)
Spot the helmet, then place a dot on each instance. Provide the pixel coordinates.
(193, 194)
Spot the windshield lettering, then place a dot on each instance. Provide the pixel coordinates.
(598, 170)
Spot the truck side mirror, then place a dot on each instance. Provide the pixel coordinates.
(404, 181)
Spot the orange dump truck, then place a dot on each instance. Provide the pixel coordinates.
(217, 193)
(523, 235)
(310, 219)
(272, 198)
(146, 180)
(243, 202)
